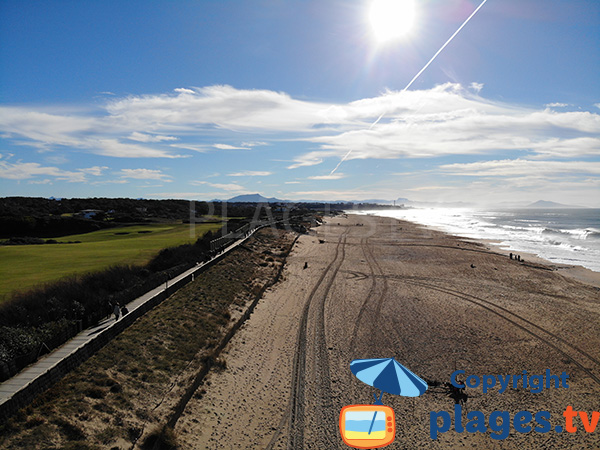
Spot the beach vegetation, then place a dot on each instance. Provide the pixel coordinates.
(161, 438)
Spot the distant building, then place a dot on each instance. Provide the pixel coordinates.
(89, 213)
(280, 208)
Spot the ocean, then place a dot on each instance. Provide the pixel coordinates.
(565, 236)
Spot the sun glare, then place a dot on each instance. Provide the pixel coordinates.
(391, 19)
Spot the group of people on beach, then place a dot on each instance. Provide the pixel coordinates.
(516, 257)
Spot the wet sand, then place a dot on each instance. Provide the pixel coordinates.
(378, 287)
(579, 273)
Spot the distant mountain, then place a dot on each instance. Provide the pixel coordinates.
(548, 205)
(375, 201)
(254, 198)
(257, 198)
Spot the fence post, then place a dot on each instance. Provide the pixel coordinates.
(40, 350)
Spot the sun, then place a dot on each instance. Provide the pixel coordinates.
(391, 19)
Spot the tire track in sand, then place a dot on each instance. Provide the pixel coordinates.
(372, 263)
(521, 323)
(327, 431)
(382, 296)
(365, 302)
(551, 339)
(295, 411)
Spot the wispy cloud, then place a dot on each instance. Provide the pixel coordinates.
(223, 186)
(477, 87)
(144, 174)
(254, 144)
(47, 131)
(110, 181)
(242, 146)
(567, 148)
(219, 106)
(556, 105)
(250, 173)
(118, 149)
(24, 171)
(310, 159)
(427, 188)
(142, 137)
(335, 176)
(44, 129)
(45, 181)
(228, 147)
(95, 171)
(200, 148)
(521, 167)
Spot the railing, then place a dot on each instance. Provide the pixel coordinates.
(218, 244)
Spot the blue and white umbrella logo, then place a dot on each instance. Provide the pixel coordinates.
(370, 426)
(388, 375)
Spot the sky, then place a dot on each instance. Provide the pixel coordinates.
(300, 99)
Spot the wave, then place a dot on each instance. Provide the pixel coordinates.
(577, 233)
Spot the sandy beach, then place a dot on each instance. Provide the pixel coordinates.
(579, 273)
(378, 288)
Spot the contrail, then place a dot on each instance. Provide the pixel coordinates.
(417, 75)
(444, 46)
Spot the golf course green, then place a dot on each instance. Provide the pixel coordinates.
(24, 266)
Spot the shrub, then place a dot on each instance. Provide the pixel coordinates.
(162, 438)
(25, 240)
(70, 431)
(95, 392)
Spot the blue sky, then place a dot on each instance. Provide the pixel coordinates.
(211, 99)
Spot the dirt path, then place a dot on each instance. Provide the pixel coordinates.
(382, 288)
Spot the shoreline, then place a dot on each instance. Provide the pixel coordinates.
(576, 272)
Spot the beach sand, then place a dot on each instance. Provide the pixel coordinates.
(579, 273)
(378, 288)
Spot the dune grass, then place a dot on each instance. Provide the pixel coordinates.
(24, 266)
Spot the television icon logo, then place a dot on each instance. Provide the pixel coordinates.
(374, 426)
(367, 426)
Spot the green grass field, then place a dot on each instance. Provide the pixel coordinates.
(24, 266)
